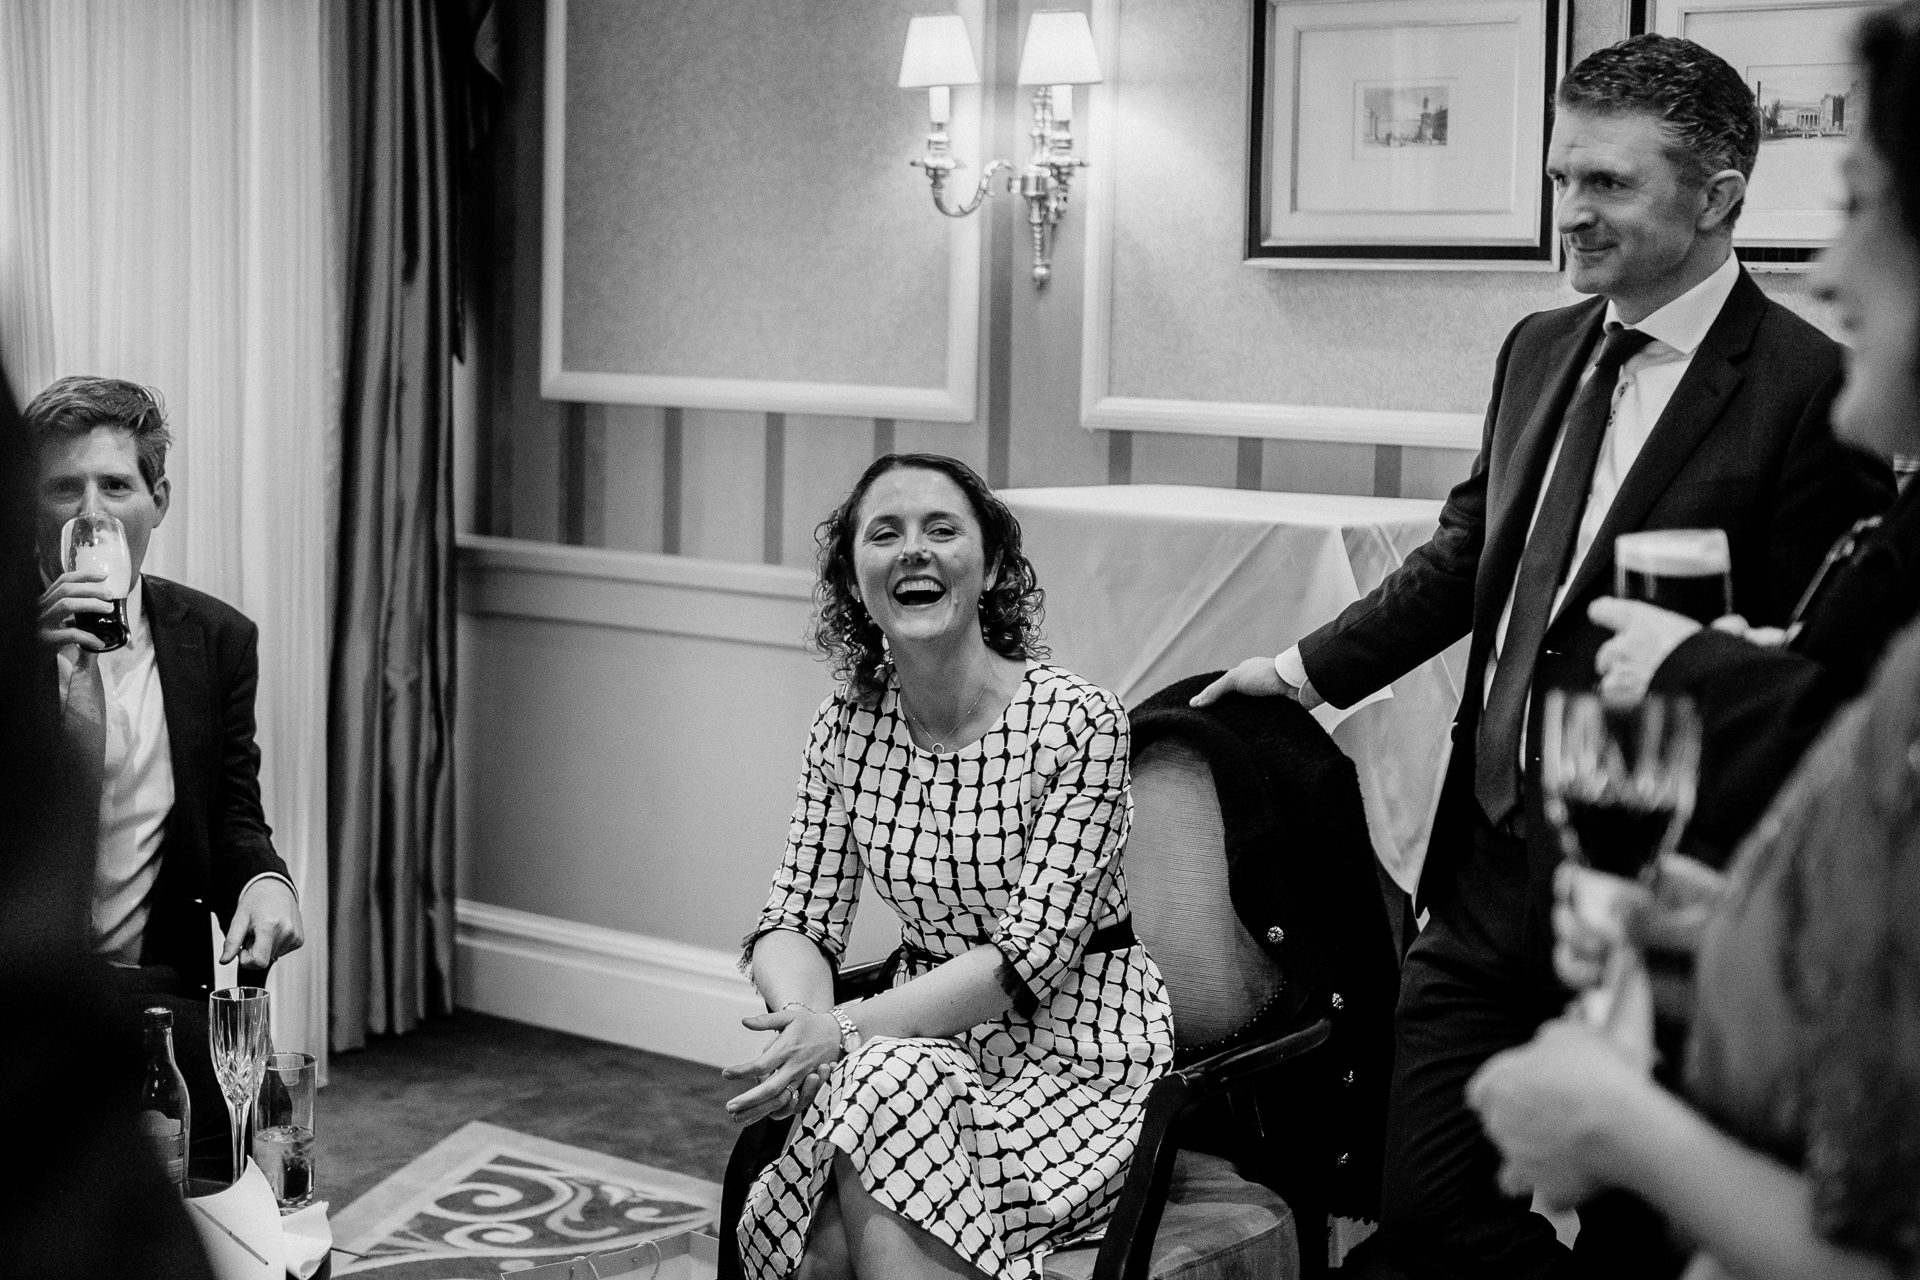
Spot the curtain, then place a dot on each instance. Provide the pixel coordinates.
(390, 728)
(164, 218)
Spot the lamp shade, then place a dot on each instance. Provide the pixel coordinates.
(938, 52)
(1059, 49)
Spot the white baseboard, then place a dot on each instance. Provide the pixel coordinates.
(649, 993)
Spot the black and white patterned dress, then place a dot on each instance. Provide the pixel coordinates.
(1012, 1138)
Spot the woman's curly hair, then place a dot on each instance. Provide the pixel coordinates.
(846, 633)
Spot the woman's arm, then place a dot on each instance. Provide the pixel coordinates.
(1571, 1117)
(789, 970)
(1752, 1214)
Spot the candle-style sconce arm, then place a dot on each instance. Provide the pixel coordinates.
(940, 163)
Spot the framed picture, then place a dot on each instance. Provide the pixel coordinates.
(1403, 133)
(1798, 57)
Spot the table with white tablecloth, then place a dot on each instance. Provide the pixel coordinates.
(1147, 584)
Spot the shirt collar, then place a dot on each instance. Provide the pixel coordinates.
(1683, 323)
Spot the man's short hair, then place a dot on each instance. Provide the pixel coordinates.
(1709, 112)
(76, 406)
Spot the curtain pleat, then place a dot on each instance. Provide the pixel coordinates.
(391, 709)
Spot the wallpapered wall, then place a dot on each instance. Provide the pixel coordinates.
(1190, 321)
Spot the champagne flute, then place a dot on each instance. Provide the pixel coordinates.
(1618, 781)
(97, 541)
(238, 1035)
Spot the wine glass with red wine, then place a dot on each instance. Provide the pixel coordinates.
(1619, 778)
(1619, 784)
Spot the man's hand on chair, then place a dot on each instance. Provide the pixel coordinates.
(266, 925)
(1257, 678)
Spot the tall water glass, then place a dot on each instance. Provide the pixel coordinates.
(283, 1128)
(1689, 571)
(97, 542)
(238, 1037)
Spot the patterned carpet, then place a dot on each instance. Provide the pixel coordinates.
(487, 1200)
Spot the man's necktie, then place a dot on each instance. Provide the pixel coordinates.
(85, 716)
(1496, 778)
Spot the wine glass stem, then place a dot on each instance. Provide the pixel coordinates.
(237, 1116)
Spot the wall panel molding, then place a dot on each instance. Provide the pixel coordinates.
(1101, 410)
(648, 993)
(636, 591)
(952, 401)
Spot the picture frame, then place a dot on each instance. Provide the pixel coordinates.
(1403, 134)
(1795, 197)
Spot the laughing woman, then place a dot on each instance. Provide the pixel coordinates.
(982, 1111)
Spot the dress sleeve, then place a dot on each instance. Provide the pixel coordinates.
(1072, 850)
(818, 884)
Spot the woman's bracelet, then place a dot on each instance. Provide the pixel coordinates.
(799, 1004)
(849, 1031)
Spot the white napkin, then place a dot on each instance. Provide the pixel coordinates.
(306, 1237)
(240, 1229)
(1621, 1007)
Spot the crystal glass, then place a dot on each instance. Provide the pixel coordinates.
(95, 541)
(1619, 779)
(283, 1128)
(238, 1037)
(1619, 786)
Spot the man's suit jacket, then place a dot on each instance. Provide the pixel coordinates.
(216, 837)
(1761, 708)
(1744, 445)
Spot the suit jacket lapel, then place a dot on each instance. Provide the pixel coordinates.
(180, 653)
(1524, 473)
(1697, 403)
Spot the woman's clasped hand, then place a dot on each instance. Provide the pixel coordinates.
(789, 1069)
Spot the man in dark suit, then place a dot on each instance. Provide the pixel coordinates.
(167, 719)
(1679, 397)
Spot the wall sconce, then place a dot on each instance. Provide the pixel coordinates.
(1058, 54)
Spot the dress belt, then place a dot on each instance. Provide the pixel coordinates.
(1117, 936)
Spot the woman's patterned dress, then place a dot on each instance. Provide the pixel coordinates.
(1014, 1137)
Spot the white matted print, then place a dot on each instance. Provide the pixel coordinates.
(1797, 57)
(1404, 129)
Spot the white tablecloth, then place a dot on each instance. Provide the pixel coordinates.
(1147, 584)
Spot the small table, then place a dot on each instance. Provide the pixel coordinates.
(1147, 584)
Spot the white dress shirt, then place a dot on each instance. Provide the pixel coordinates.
(1646, 383)
(138, 791)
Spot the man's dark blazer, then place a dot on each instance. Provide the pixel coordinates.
(1744, 445)
(1761, 708)
(216, 838)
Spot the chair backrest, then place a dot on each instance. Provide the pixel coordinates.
(1218, 978)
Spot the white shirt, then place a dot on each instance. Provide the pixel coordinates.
(138, 792)
(1646, 383)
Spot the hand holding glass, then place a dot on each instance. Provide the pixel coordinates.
(238, 1036)
(95, 542)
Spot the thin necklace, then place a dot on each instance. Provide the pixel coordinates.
(939, 744)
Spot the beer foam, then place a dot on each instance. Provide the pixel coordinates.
(1674, 553)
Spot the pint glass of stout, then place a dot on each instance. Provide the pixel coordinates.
(96, 542)
(1686, 570)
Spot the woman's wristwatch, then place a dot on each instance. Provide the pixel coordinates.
(849, 1031)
